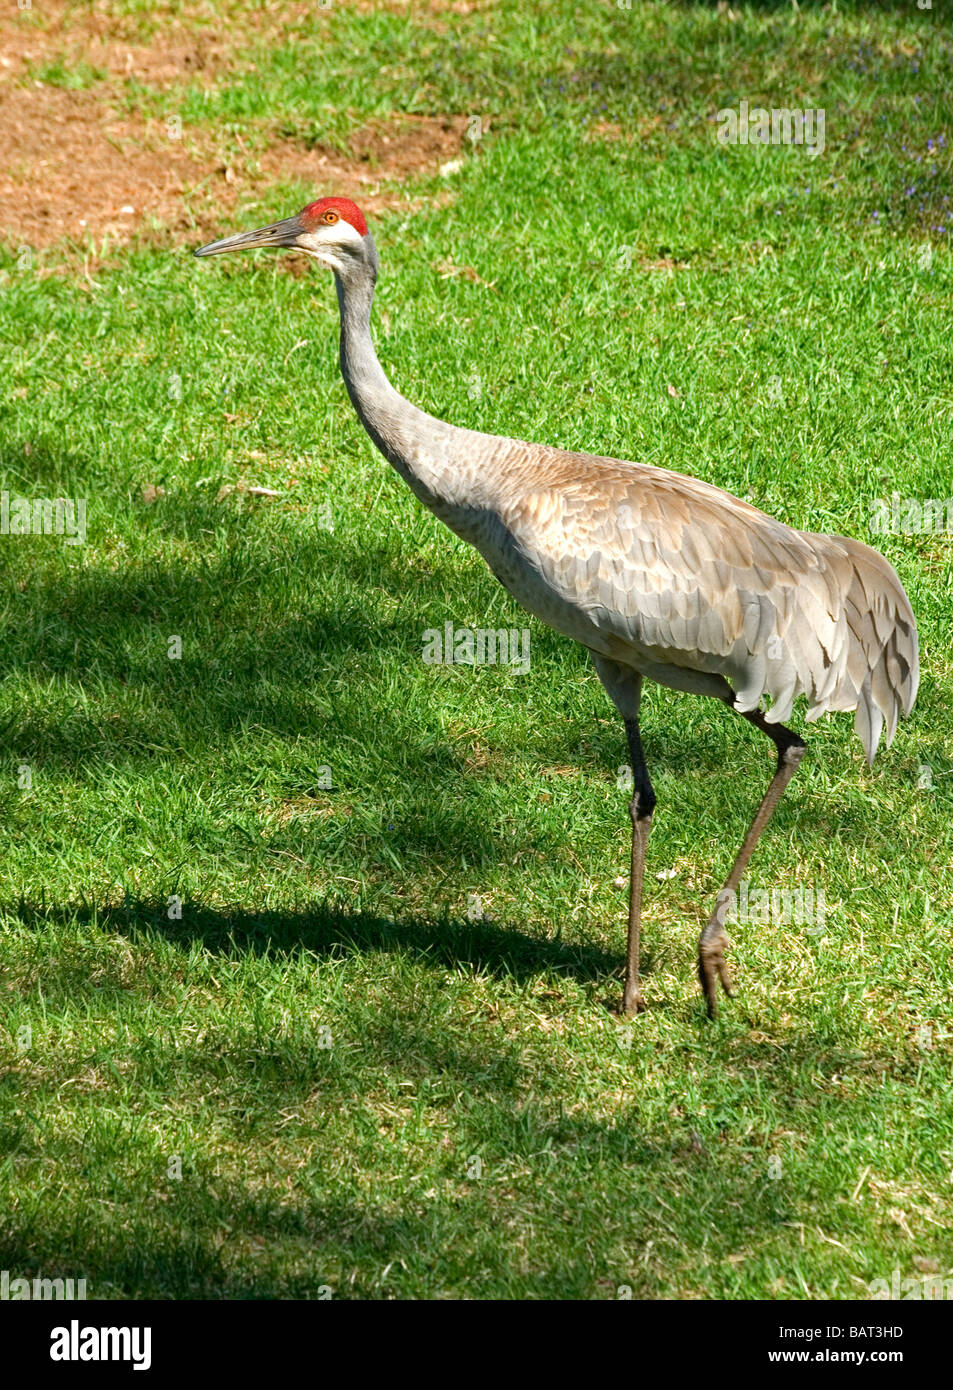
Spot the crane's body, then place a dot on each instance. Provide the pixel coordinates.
(676, 579)
(657, 574)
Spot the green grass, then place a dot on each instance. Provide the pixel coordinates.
(366, 1089)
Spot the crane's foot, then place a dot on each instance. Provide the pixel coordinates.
(711, 965)
(632, 1001)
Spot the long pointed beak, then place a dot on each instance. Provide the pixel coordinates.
(284, 233)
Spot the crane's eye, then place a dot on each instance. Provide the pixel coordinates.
(330, 218)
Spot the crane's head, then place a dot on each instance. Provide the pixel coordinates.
(332, 230)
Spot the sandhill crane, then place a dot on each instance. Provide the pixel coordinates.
(656, 574)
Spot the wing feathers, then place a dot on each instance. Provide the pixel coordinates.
(674, 574)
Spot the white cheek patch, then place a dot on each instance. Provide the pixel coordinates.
(348, 233)
(327, 238)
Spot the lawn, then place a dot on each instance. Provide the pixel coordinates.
(307, 945)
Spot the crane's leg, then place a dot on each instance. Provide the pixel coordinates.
(624, 688)
(640, 812)
(713, 940)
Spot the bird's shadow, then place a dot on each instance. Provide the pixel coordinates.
(324, 930)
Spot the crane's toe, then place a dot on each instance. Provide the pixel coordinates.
(711, 964)
(632, 1001)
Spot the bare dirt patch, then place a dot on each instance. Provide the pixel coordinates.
(384, 153)
(107, 43)
(78, 168)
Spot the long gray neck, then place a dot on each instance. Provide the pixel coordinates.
(415, 443)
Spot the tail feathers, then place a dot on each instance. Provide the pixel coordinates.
(882, 657)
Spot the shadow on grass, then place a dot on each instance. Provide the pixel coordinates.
(327, 930)
(220, 1238)
(562, 1192)
(306, 1168)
